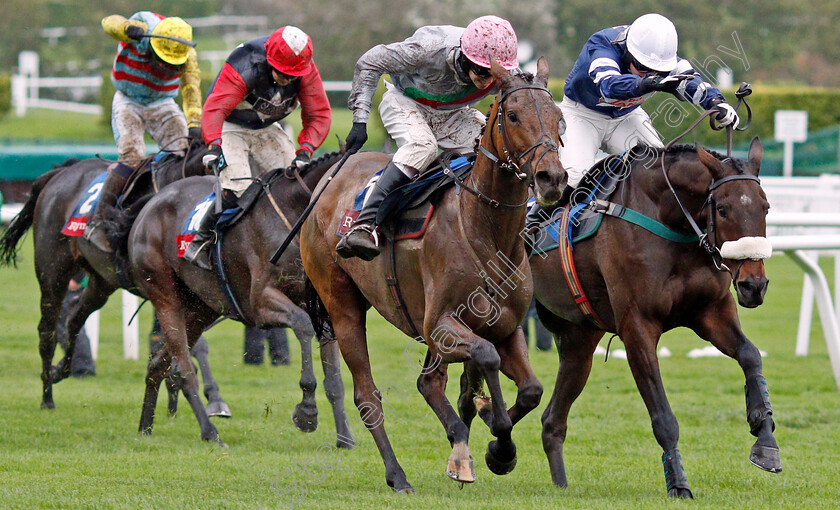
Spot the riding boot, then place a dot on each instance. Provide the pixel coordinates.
(362, 241)
(111, 190)
(196, 252)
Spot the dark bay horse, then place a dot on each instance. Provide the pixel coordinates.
(641, 285)
(463, 307)
(58, 257)
(188, 299)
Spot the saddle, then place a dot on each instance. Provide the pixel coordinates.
(406, 212)
(598, 184)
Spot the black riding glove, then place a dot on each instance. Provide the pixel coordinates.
(195, 133)
(214, 159)
(648, 84)
(134, 32)
(655, 83)
(357, 137)
(302, 157)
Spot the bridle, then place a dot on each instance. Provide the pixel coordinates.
(523, 172)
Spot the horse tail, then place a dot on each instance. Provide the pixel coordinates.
(23, 221)
(317, 311)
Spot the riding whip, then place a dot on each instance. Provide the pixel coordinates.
(299, 223)
(176, 39)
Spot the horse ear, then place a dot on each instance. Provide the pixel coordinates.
(755, 155)
(711, 162)
(542, 71)
(501, 74)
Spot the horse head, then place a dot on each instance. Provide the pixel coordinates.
(736, 221)
(524, 131)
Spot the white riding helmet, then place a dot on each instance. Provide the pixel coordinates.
(652, 41)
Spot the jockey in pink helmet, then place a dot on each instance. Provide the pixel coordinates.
(436, 75)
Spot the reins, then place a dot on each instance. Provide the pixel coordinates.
(707, 238)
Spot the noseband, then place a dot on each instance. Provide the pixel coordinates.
(708, 239)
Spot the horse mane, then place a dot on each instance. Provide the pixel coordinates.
(641, 150)
(281, 172)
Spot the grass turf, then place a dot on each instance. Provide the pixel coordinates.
(87, 453)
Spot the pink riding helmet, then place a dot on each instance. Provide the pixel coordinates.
(490, 36)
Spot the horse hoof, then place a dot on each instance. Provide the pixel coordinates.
(496, 465)
(680, 492)
(48, 405)
(407, 489)
(460, 470)
(305, 418)
(344, 444)
(766, 458)
(219, 408)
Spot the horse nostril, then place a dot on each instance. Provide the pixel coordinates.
(543, 179)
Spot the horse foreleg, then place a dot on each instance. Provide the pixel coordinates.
(721, 327)
(516, 366)
(216, 405)
(334, 388)
(640, 338)
(575, 346)
(432, 385)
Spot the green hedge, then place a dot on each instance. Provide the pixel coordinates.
(822, 105)
(5, 94)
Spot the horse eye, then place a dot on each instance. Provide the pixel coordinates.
(512, 117)
(721, 210)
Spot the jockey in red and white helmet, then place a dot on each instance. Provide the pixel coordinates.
(262, 81)
(436, 75)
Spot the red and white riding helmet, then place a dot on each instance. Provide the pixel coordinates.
(490, 36)
(289, 50)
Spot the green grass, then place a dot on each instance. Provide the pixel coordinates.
(87, 453)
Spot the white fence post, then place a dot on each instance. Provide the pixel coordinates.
(92, 330)
(131, 342)
(806, 310)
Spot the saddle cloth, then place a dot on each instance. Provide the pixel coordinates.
(410, 207)
(193, 221)
(599, 184)
(78, 221)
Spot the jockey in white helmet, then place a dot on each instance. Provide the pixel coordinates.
(436, 75)
(616, 71)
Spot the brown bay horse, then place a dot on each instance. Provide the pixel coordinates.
(58, 257)
(464, 308)
(188, 299)
(641, 285)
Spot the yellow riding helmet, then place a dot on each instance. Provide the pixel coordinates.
(171, 52)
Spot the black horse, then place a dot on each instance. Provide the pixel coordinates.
(53, 197)
(639, 284)
(188, 299)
